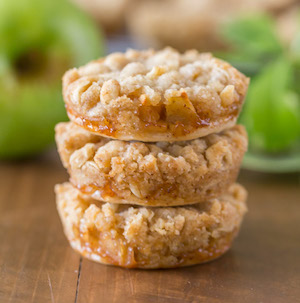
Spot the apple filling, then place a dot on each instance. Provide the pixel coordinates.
(149, 92)
(150, 237)
(178, 116)
(112, 248)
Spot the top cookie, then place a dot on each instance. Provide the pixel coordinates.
(155, 95)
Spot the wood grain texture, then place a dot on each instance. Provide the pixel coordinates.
(37, 264)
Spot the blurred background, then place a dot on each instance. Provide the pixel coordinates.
(40, 40)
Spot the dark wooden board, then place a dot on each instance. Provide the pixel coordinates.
(37, 264)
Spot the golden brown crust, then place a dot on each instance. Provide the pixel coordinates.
(155, 96)
(135, 236)
(151, 174)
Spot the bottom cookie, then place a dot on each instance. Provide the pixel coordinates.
(150, 237)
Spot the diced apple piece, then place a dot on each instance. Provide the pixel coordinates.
(180, 108)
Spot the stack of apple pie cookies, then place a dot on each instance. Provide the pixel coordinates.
(153, 152)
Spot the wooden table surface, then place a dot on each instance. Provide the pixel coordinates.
(37, 264)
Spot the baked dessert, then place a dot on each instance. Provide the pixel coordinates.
(185, 24)
(135, 236)
(151, 174)
(110, 14)
(155, 95)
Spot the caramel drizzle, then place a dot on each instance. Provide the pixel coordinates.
(103, 126)
(108, 191)
(89, 189)
(93, 243)
(106, 127)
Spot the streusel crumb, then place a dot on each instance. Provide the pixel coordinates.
(135, 236)
(155, 95)
(152, 174)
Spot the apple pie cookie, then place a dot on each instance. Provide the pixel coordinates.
(150, 237)
(155, 95)
(199, 24)
(151, 174)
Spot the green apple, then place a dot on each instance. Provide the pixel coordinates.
(39, 41)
